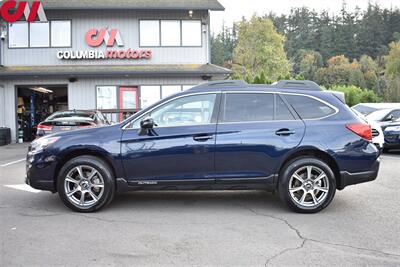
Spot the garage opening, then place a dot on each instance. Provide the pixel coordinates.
(35, 104)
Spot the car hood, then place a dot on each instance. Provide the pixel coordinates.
(86, 131)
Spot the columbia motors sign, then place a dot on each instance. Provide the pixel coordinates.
(98, 37)
(12, 11)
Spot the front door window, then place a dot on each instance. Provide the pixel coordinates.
(184, 111)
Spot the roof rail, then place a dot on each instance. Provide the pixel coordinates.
(225, 83)
(297, 84)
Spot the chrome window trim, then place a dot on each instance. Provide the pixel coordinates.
(125, 127)
(283, 93)
(239, 92)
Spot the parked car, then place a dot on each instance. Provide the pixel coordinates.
(392, 136)
(377, 134)
(291, 137)
(367, 108)
(384, 117)
(62, 121)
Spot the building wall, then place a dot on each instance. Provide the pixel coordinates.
(81, 94)
(128, 24)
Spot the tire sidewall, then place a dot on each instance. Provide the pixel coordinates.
(102, 168)
(288, 171)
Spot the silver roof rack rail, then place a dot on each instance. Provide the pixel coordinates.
(225, 83)
(297, 84)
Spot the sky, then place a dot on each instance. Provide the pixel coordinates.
(235, 9)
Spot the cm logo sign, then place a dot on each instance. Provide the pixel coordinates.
(96, 37)
(11, 11)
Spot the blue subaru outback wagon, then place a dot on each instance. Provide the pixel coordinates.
(291, 137)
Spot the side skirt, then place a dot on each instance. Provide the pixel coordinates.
(262, 183)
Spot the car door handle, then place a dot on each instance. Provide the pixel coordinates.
(202, 138)
(284, 132)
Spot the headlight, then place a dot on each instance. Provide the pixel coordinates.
(393, 128)
(38, 145)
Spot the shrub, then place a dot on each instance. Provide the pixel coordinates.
(355, 95)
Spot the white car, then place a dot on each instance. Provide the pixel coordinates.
(377, 134)
(367, 108)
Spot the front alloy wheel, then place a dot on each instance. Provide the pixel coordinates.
(86, 184)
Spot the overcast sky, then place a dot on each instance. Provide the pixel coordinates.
(235, 9)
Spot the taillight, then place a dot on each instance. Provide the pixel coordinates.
(361, 129)
(44, 127)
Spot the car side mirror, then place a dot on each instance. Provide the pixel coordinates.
(390, 118)
(146, 125)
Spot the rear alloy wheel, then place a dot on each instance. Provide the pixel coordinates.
(85, 184)
(307, 185)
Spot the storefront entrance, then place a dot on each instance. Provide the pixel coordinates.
(35, 104)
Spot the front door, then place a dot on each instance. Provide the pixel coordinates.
(179, 149)
(255, 131)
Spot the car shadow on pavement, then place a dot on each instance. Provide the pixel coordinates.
(187, 200)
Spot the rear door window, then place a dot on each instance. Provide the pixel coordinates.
(309, 108)
(282, 113)
(247, 107)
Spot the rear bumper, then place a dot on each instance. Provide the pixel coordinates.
(347, 178)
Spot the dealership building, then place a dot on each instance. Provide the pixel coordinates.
(114, 56)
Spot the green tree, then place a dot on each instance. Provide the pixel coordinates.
(222, 45)
(341, 72)
(307, 63)
(355, 95)
(260, 48)
(392, 73)
(370, 70)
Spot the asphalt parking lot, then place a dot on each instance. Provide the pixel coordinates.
(361, 227)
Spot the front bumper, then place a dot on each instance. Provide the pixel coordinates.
(347, 178)
(40, 169)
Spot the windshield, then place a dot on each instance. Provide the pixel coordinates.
(378, 115)
(364, 109)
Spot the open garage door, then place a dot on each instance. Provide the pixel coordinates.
(36, 103)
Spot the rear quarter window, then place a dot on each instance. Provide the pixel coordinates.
(309, 108)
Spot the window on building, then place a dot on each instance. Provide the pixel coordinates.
(61, 33)
(191, 33)
(149, 32)
(240, 107)
(167, 90)
(18, 35)
(149, 94)
(106, 97)
(170, 33)
(39, 34)
(309, 108)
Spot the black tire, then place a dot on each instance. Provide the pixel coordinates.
(105, 173)
(299, 164)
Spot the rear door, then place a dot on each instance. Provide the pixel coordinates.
(254, 131)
